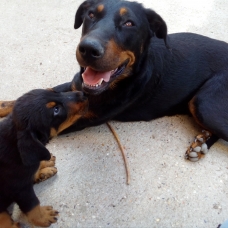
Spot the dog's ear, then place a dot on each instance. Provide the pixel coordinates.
(157, 25)
(79, 14)
(31, 150)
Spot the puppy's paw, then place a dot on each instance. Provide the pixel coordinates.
(43, 216)
(45, 173)
(16, 225)
(199, 147)
(46, 170)
(12, 225)
(50, 163)
(7, 222)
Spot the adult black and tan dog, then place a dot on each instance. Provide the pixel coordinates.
(132, 70)
(36, 116)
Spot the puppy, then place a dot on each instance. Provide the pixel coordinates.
(36, 117)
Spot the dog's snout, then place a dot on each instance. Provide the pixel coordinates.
(91, 48)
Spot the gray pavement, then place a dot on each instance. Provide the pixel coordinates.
(37, 50)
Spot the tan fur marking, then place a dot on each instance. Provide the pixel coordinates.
(123, 11)
(51, 105)
(192, 109)
(7, 222)
(42, 216)
(75, 112)
(70, 121)
(89, 115)
(53, 133)
(73, 87)
(116, 56)
(100, 8)
(6, 107)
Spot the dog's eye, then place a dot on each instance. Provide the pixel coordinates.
(128, 24)
(56, 110)
(91, 15)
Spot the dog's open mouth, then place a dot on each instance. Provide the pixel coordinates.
(94, 82)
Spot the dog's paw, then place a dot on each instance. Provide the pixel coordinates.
(198, 148)
(46, 170)
(43, 216)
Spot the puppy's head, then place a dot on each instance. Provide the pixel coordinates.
(115, 38)
(41, 114)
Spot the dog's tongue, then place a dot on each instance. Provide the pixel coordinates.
(92, 77)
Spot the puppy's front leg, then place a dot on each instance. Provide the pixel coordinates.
(7, 222)
(42, 216)
(46, 170)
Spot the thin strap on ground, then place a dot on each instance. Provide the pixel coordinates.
(122, 151)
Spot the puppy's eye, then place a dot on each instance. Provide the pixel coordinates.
(56, 110)
(91, 15)
(128, 24)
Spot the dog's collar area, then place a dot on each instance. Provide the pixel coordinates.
(94, 82)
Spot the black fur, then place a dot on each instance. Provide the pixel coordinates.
(169, 71)
(23, 136)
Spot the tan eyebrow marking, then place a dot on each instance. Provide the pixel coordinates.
(123, 11)
(100, 8)
(51, 105)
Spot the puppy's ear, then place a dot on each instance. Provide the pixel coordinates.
(79, 14)
(157, 25)
(31, 150)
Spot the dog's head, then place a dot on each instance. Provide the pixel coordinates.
(41, 114)
(115, 34)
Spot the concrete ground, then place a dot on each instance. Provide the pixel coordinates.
(37, 43)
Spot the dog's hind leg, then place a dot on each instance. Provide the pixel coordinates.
(7, 222)
(46, 170)
(209, 108)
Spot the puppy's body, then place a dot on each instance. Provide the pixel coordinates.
(37, 116)
(15, 177)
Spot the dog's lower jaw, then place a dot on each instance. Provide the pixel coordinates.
(103, 84)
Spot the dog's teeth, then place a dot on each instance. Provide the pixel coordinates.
(114, 71)
(100, 82)
(96, 85)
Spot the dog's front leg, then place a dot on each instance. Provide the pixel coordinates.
(7, 222)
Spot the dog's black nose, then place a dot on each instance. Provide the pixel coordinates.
(91, 48)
